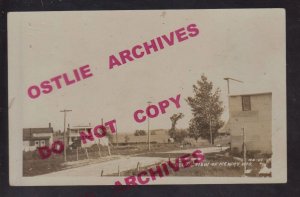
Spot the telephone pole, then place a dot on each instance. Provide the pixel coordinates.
(116, 135)
(244, 151)
(227, 79)
(65, 143)
(210, 132)
(148, 128)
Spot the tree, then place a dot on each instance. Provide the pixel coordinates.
(126, 138)
(206, 109)
(174, 118)
(180, 135)
(140, 132)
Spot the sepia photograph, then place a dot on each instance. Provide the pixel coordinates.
(147, 97)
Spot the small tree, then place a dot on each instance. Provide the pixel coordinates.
(207, 110)
(174, 118)
(126, 138)
(180, 135)
(140, 132)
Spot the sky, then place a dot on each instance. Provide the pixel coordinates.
(248, 45)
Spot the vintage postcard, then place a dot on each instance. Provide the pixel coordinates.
(142, 97)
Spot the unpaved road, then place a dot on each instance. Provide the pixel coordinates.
(124, 163)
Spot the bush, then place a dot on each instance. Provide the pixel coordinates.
(180, 135)
(140, 132)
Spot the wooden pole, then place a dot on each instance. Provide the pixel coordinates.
(108, 149)
(138, 167)
(117, 135)
(244, 147)
(99, 149)
(87, 154)
(65, 137)
(210, 131)
(77, 153)
(148, 121)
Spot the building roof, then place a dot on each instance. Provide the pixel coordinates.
(251, 94)
(28, 132)
(81, 127)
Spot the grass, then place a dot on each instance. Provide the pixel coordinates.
(212, 171)
(204, 170)
(33, 165)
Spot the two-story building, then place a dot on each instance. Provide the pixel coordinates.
(250, 114)
(73, 136)
(74, 140)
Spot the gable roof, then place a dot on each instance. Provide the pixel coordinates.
(28, 132)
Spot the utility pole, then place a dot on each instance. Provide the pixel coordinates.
(244, 148)
(116, 135)
(210, 130)
(108, 147)
(227, 79)
(65, 143)
(148, 120)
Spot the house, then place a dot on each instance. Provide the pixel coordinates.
(74, 140)
(73, 135)
(250, 120)
(37, 137)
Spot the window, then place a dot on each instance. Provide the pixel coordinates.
(246, 104)
(37, 143)
(42, 143)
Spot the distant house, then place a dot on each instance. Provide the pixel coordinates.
(37, 137)
(74, 140)
(253, 114)
(73, 135)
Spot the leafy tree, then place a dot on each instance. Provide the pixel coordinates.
(180, 135)
(174, 118)
(140, 132)
(207, 110)
(126, 138)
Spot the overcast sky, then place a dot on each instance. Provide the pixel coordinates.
(248, 45)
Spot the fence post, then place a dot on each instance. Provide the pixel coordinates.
(99, 150)
(87, 154)
(108, 150)
(101, 172)
(138, 167)
(119, 173)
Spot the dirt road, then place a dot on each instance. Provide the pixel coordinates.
(124, 163)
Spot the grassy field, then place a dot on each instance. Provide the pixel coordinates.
(34, 165)
(215, 165)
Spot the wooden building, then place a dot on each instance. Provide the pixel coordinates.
(37, 137)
